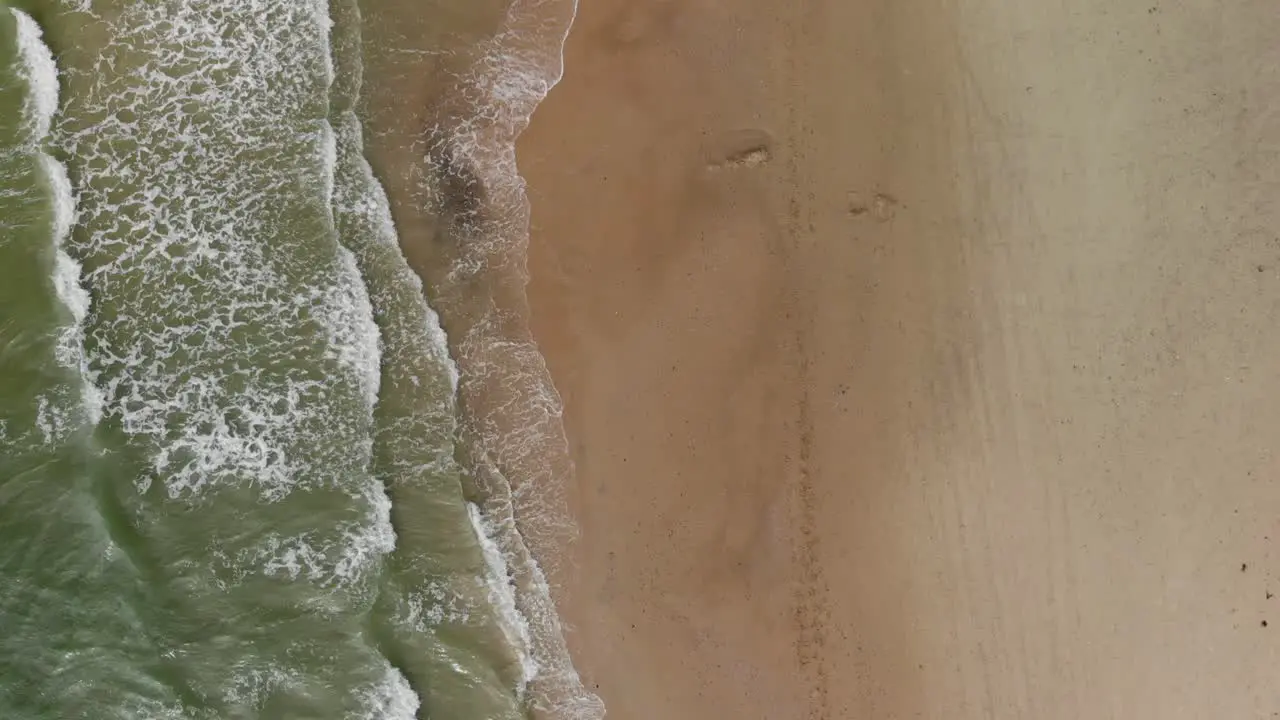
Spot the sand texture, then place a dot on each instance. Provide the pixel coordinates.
(920, 359)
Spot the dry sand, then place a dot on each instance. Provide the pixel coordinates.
(920, 359)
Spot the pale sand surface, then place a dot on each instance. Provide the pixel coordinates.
(963, 402)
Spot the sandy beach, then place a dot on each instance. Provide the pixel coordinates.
(917, 358)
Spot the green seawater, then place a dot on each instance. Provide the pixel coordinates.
(230, 477)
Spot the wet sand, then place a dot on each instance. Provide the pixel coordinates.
(918, 359)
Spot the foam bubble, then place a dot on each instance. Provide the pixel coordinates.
(83, 6)
(151, 709)
(52, 420)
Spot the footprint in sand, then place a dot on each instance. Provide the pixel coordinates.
(739, 149)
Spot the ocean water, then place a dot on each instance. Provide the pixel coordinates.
(245, 472)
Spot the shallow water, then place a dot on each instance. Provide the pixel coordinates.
(236, 481)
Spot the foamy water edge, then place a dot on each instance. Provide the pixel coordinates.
(524, 466)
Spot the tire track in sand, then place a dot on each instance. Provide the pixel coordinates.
(811, 601)
(811, 594)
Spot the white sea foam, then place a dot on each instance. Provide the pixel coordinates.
(70, 351)
(365, 544)
(66, 281)
(502, 595)
(252, 682)
(389, 699)
(328, 163)
(142, 708)
(67, 286)
(354, 338)
(335, 557)
(64, 216)
(41, 74)
(81, 6)
(437, 603)
(200, 238)
(324, 20)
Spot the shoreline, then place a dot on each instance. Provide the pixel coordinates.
(510, 408)
(462, 216)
